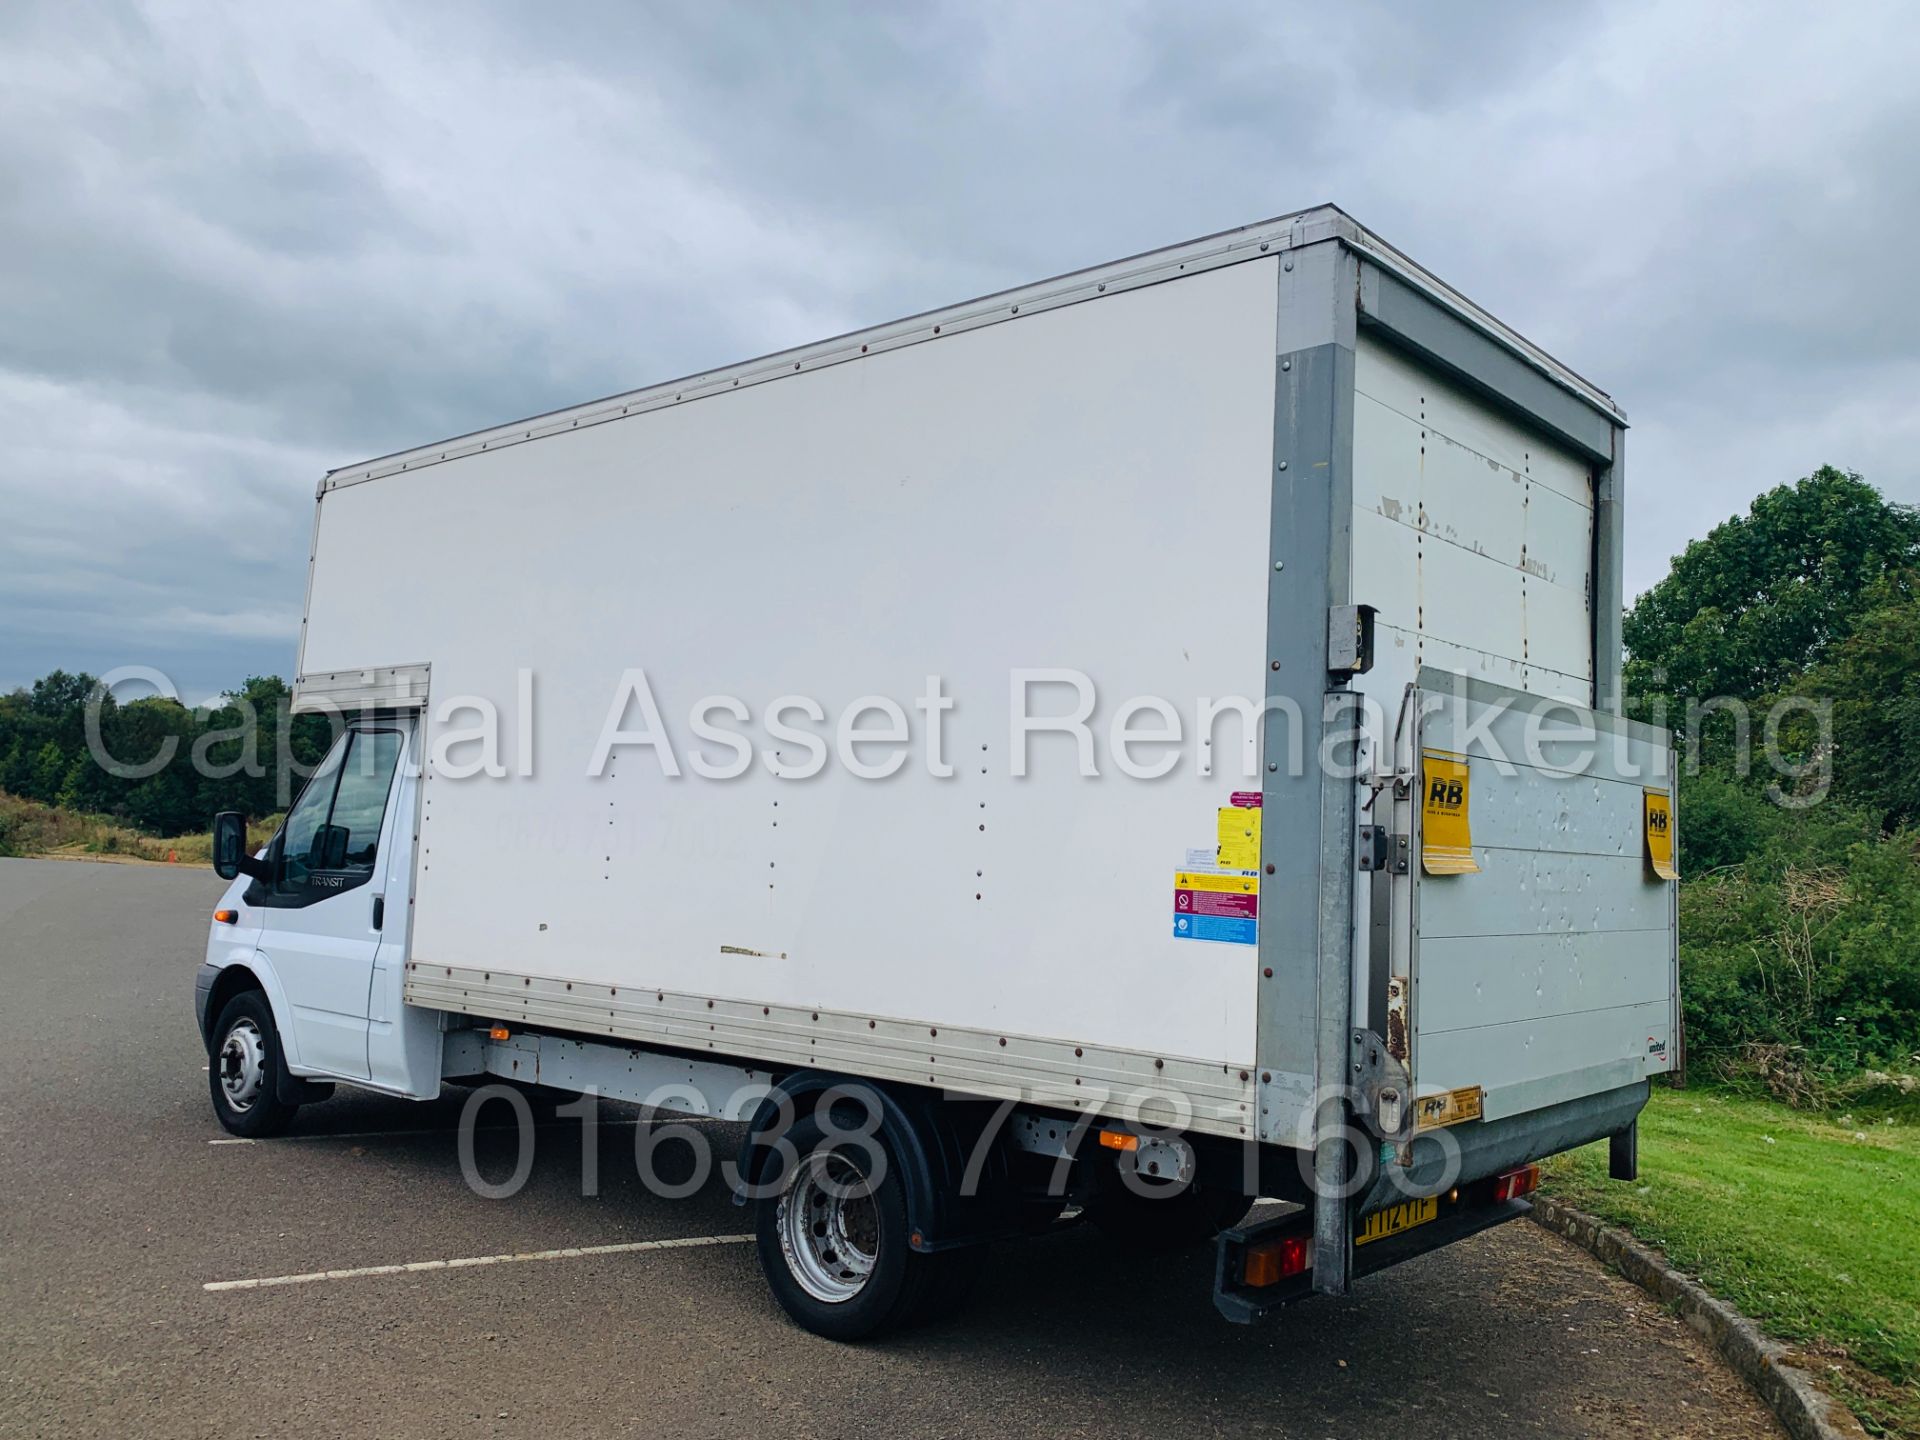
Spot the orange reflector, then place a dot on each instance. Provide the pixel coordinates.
(1515, 1183)
(1119, 1140)
(226, 917)
(1275, 1260)
(499, 1032)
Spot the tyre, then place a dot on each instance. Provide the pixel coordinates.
(244, 1066)
(834, 1245)
(1156, 1217)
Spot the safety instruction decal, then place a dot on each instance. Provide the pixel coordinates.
(1215, 905)
(1658, 808)
(1446, 836)
(1238, 835)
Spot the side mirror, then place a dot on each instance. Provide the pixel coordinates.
(230, 857)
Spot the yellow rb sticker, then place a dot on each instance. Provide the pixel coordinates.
(1450, 1107)
(1659, 813)
(1446, 843)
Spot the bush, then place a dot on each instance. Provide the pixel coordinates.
(1800, 963)
(30, 828)
(1723, 821)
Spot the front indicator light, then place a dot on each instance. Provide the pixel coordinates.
(226, 917)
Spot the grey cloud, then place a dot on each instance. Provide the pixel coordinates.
(245, 244)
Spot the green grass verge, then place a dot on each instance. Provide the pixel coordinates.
(1809, 1224)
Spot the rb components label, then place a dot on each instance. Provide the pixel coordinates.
(1446, 832)
(1658, 809)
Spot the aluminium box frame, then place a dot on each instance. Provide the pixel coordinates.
(1336, 279)
(1331, 290)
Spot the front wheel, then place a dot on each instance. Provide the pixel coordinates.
(834, 1242)
(243, 1069)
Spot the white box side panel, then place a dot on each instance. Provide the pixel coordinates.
(1472, 536)
(1088, 488)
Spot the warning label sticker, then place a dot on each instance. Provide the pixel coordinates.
(1212, 902)
(1211, 905)
(1216, 927)
(1238, 834)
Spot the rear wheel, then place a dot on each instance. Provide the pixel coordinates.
(834, 1243)
(243, 1069)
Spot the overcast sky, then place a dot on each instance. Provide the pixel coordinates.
(240, 245)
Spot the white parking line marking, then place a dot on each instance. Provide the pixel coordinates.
(571, 1252)
(483, 1129)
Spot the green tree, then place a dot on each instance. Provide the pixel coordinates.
(87, 787)
(15, 768)
(1766, 595)
(227, 758)
(49, 772)
(59, 702)
(59, 694)
(1872, 683)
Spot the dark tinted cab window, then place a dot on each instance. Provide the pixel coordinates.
(331, 837)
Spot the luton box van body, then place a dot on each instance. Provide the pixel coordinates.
(1128, 746)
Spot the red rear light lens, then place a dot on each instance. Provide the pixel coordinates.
(1272, 1261)
(1515, 1183)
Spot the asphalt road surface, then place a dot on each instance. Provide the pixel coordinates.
(119, 1205)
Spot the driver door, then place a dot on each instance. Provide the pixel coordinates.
(323, 907)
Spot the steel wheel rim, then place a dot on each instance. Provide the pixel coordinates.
(243, 1065)
(829, 1227)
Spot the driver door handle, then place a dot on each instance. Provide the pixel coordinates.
(379, 912)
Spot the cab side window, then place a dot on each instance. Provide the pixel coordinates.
(331, 836)
(360, 804)
(306, 820)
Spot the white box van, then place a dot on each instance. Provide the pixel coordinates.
(1143, 741)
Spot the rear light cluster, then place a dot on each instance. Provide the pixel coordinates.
(1272, 1261)
(1515, 1183)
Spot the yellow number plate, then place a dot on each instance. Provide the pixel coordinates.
(1395, 1218)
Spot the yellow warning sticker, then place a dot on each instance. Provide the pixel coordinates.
(1446, 838)
(1219, 884)
(1658, 808)
(1239, 838)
